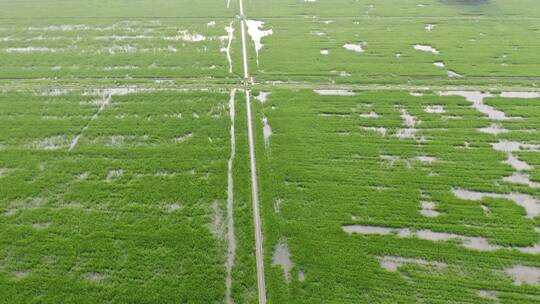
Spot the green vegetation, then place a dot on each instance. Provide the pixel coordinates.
(391, 186)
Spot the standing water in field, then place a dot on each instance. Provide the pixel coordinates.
(256, 33)
(267, 131)
(230, 37)
(282, 257)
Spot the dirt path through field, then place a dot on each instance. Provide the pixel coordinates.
(254, 186)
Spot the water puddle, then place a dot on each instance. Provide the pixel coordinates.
(514, 146)
(521, 178)
(429, 209)
(256, 33)
(470, 242)
(524, 274)
(410, 122)
(453, 74)
(183, 138)
(301, 275)
(494, 129)
(477, 99)
(217, 226)
(184, 35)
(363, 229)
(528, 202)
(488, 294)
(354, 47)
(267, 131)
(114, 174)
(426, 159)
(381, 130)
(392, 263)
(335, 92)
(230, 36)
(52, 143)
(435, 109)
(439, 64)
(282, 257)
(426, 48)
(520, 94)
(369, 115)
(263, 96)
(31, 49)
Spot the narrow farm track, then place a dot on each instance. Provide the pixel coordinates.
(104, 103)
(253, 163)
(231, 239)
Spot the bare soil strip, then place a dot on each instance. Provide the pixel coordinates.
(254, 185)
(231, 240)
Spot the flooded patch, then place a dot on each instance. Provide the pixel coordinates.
(494, 129)
(354, 47)
(21, 274)
(256, 33)
(426, 159)
(520, 94)
(524, 274)
(429, 27)
(31, 49)
(263, 96)
(369, 115)
(410, 122)
(183, 138)
(172, 207)
(41, 225)
(435, 109)
(186, 36)
(528, 202)
(521, 178)
(363, 229)
(114, 174)
(95, 277)
(335, 92)
(514, 146)
(477, 99)
(488, 294)
(439, 64)
(301, 275)
(230, 36)
(217, 226)
(453, 74)
(52, 143)
(282, 257)
(392, 263)
(267, 131)
(426, 48)
(429, 209)
(470, 242)
(380, 130)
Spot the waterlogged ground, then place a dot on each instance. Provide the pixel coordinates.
(397, 143)
(386, 197)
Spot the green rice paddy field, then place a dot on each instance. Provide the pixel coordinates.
(397, 151)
